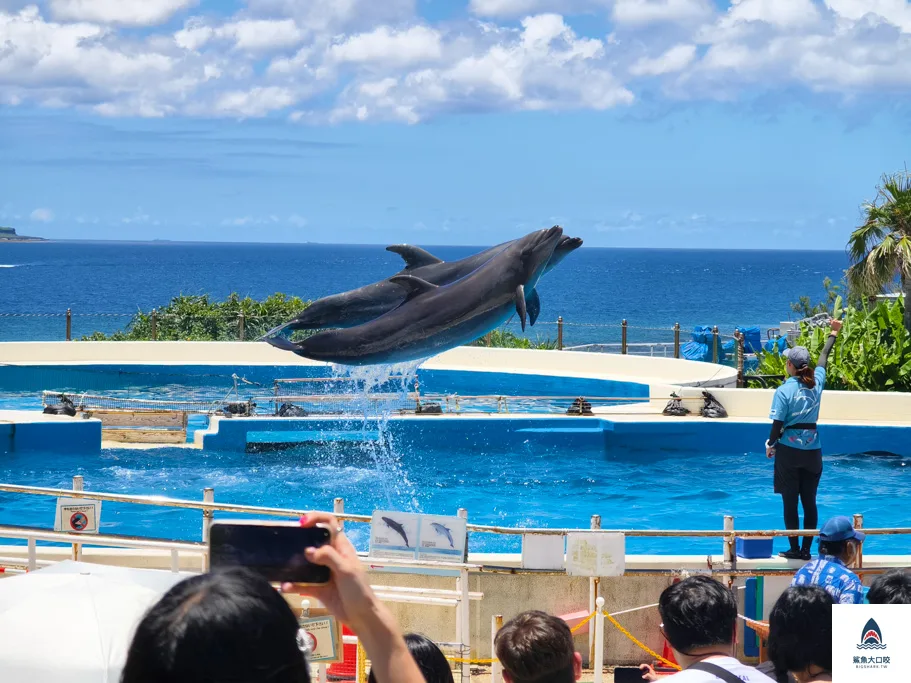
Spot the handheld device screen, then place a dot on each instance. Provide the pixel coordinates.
(274, 551)
(628, 674)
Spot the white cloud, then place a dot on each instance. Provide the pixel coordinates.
(297, 221)
(255, 102)
(385, 46)
(896, 12)
(42, 215)
(362, 59)
(640, 12)
(126, 12)
(544, 65)
(675, 59)
(248, 34)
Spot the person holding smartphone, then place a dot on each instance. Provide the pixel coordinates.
(794, 440)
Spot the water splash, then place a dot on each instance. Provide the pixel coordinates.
(379, 391)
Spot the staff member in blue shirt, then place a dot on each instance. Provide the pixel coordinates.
(839, 544)
(794, 440)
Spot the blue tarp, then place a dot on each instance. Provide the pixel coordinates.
(701, 346)
(752, 339)
(781, 343)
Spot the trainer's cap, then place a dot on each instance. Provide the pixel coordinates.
(799, 356)
(840, 529)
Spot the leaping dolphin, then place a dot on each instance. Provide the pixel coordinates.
(361, 305)
(434, 319)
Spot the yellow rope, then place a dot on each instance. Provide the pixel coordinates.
(461, 660)
(361, 663)
(583, 622)
(639, 643)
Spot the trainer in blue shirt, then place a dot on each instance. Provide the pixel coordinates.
(794, 441)
(839, 543)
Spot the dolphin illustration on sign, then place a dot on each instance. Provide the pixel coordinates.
(434, 318)
(443, 531)
(361, 305)
(397, 528)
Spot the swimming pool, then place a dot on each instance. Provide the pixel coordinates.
(530, 470)
(536, 485)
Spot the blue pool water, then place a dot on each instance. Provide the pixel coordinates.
(535, 484)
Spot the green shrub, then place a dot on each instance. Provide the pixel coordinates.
(509, 340)
(872, 353)
(196, 318)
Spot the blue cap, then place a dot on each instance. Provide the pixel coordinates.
(840, 529)
(799, 356)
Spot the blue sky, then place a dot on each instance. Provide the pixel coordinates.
(674, 123)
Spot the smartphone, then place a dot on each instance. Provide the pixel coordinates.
(275, 550)
(628, 674)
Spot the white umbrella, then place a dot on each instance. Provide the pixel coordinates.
(74, 621)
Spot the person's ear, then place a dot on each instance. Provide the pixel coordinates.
(577, 665)
(506, 676)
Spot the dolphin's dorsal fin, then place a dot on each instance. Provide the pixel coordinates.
(520, 304)
(415, 286)
(415, 257)
(533, 304)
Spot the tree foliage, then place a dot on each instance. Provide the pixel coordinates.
(872, 353)
(197, 318)
(880, 249)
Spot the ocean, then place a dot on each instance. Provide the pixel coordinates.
(593, 289)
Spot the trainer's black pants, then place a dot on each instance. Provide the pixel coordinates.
(797, 476)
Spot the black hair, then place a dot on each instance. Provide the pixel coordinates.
(430, 659)
(800, 629)
(891, 588)
(832, 548)
(226, 626)
(698, 612)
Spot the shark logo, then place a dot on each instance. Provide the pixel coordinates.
(872, 638)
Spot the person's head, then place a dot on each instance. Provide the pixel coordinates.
(838, 538)
(431, 660)
(228, 625)
(800, 631)
(536, 647)
(891, 588)
(799, 365)
(698, 614)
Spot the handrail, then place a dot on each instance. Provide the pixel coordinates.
(162, 501)
(111, 540)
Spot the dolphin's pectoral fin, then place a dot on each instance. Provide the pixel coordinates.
(415, 286)
(283, 344)
(415, 257)
(520, 304)
(533, 304)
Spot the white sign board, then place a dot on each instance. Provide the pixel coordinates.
(870, 643)
(324, 639)
(595, 554)
(78, 515)
(542, 551)
(405, 535)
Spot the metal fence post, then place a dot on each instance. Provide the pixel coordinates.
(594, 584)
(859, 524)
(69, 325)
(623, 337)
(241, 324)
(738, 335)
(599, 640)
(715, 344)
(495, 669)
(154, 325)
(78, 483)
(338, 508)
(560, 333)
(208, 496)
(676, 340)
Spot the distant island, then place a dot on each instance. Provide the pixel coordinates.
(9, 235)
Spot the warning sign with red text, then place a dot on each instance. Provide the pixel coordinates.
(79, 515)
